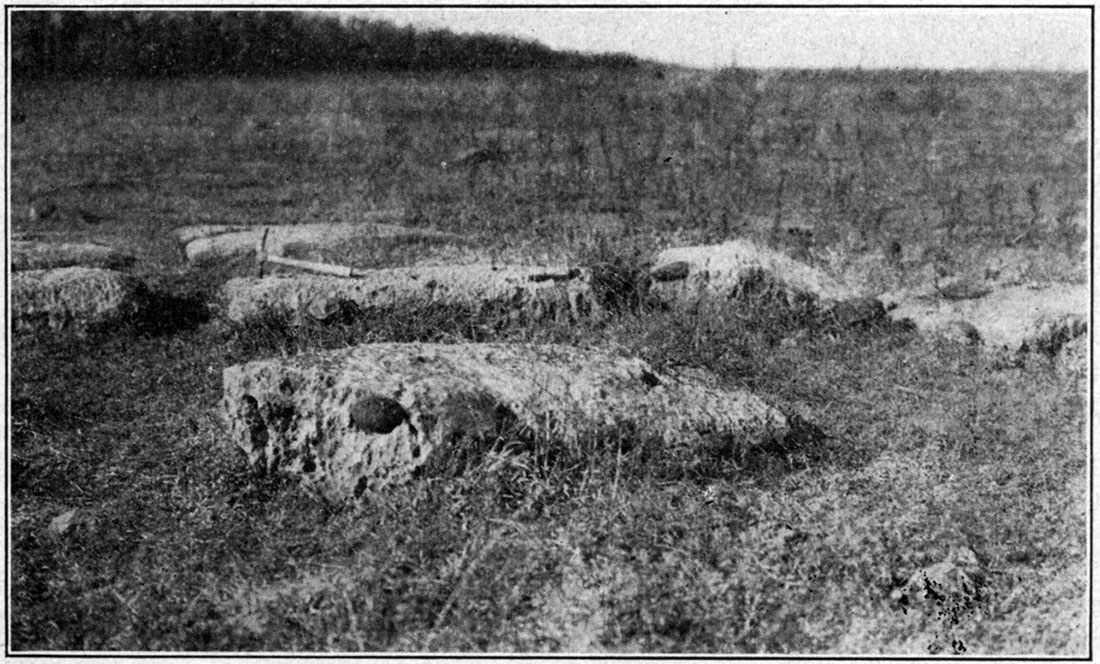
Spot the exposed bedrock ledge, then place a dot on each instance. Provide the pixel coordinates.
(533, 291)
(72, 299)
(356, 420)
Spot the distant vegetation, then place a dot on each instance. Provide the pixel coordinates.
(73, 44)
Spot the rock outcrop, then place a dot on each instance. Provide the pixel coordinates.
(36, 255)
(1015, 319)
(533, 292)
(212, 241)
(356, 420)
(72, 298)
(686, 274)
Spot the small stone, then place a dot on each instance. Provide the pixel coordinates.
(323, 308)
(61, 523)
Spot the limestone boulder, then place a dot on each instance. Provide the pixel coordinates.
(1014, 318)
(685, 274)
(213, 242)
(359, 419)
(535, 292)
(72, 298)
(39, 255)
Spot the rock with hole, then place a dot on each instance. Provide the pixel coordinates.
(360, 419)
(686, 274)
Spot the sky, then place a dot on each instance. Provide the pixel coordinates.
(972, 38)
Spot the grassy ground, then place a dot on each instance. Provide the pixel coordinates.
(173, 545)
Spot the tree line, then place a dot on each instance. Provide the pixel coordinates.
(77, 44)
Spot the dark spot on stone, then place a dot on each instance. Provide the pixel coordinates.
(361, 486)
(308, 466)
(416, 451)
(671, 272)
(375, 414)
(286, 387)
(250, 416)
(650, 379)
(280, 416)
(550, 276)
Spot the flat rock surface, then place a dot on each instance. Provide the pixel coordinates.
(42, 255)
(71, 298)
(537, 291)
(212, 241)
(721, 270)
(1014, 318)
(358, 419)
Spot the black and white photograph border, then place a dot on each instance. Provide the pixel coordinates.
(587, 331)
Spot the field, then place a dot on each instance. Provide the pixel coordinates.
(929, 447)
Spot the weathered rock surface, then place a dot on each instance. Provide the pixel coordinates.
(71, 298)
(187, 234)
(360, 419)
(204, 242)
(1015, 318)
(532, 291)
(722, 270)
(36, 255)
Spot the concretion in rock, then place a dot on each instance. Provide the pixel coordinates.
(363, 418)
(720, 270)
(1015, 318)
(533, 291)
(72, 298)
(223, 241)
(34, 255)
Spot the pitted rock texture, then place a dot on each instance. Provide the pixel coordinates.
(688, 273)
(536, 292)
(35, 255)
(1015, 319)
(359, 419)
(225, 241)
(71, 298)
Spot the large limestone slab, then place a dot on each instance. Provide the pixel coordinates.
(359, 419)
(223, 241)
(686, 274)
(38, 255)
(534, 291)
(71, 298)
(1015, 318)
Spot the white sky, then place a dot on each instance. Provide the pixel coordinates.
(984, 38)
